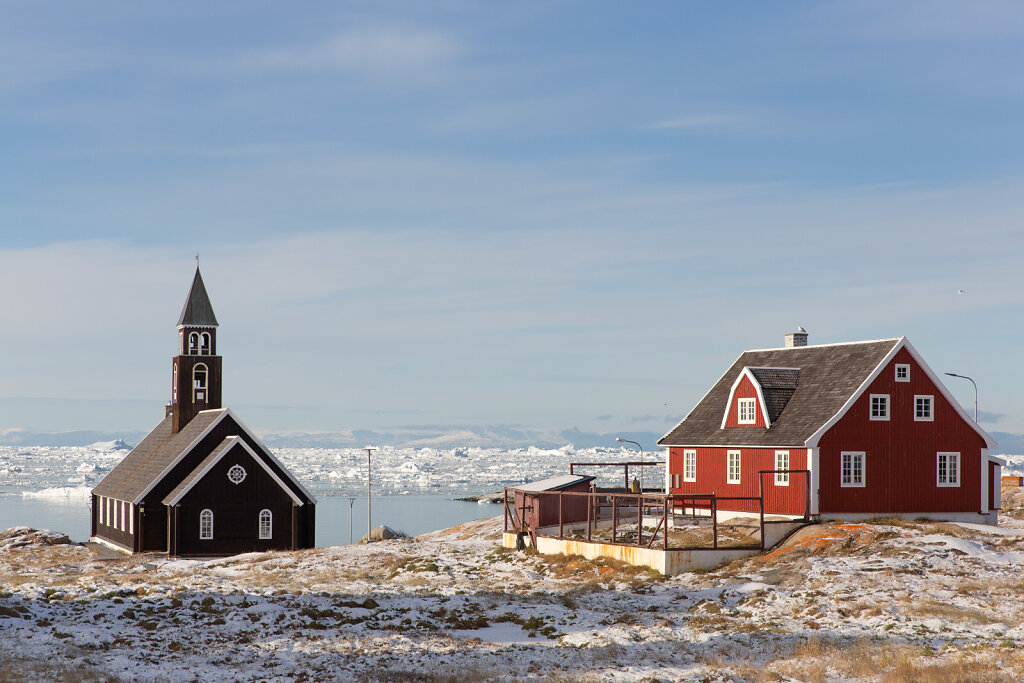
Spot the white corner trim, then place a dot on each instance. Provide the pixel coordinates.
(270, 453)
(710, 389)
(983, 501)
(181, 456)
(745, 372)
(812, 465)
(812, 440)
(235, 441)
(993, 458)
(989, 441)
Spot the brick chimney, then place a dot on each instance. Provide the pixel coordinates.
(798, 338)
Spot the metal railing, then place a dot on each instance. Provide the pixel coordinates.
(673, 522)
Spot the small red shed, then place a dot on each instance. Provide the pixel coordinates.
(533, 510)
(874, 430)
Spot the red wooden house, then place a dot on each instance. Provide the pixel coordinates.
(869, 423)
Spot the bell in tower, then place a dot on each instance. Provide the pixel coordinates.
(196, 382)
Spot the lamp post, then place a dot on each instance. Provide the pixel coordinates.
(953, 374)
(641, 459)
(369, 498)
(351, 502)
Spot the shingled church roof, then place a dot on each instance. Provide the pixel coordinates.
(197, 311)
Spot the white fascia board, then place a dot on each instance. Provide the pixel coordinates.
(812, 440)
(208, 327)
(989, 441)
(270, 453)
(237, 440)
(745, 372)
(997, 460)
(181, 456)
(712, 388)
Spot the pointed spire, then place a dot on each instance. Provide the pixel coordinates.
(197, 310)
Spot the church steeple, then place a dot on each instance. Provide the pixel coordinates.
(197, 311)
(196, 370)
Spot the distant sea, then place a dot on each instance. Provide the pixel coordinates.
(413, 514)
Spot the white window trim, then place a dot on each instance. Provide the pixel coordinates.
(871, 408)
(854, 455)
(269, 534)
(728, 467)
(951, 459)
(686, 456)
(931, 408)
(782, 478)
(205, 534)
(204, 386)
(896, 372)
(752, 404)
(131, 518)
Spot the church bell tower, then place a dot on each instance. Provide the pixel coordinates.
(196, 369)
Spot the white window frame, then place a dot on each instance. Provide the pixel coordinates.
(883, 416)
(905, 367)
(931, 408)
(202, 385)
(690, 465)
(729, 478)
(266, 524)
(193, 343)
(101, 502)
(852, 457)
(748, 405)
(782, 463)
(205, 344)
(952, 467)
(206, 525)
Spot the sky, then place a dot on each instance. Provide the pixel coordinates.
(547, 214)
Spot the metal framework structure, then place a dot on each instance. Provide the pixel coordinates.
(647, 520)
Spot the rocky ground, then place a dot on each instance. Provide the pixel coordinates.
(888, 601)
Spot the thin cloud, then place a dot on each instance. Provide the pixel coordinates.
(383, 52)
(694, 121)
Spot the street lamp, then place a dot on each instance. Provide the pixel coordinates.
(369, 499)
(351, 502)
(953, 374)
(621, 440)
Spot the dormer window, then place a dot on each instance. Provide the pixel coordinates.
(746, 408)
(199, 382)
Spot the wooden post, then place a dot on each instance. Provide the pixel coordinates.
(626, 465)
(762, 522)
(560, 497)
(590, 505)
(504, 503)
(615, 515)
(807, 505)
(640, 519)
(714, 522)
(664, 517)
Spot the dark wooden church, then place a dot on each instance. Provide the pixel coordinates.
(201, 483)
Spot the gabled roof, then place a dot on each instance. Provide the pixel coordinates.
(829, 375)
(146, 464)
(154, 458)
(197, 311)
(229, 442)
(831, 378)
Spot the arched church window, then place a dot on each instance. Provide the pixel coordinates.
(199, 380)
(204, 344)
(193, 343)
(206, 525)
(266, 524)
